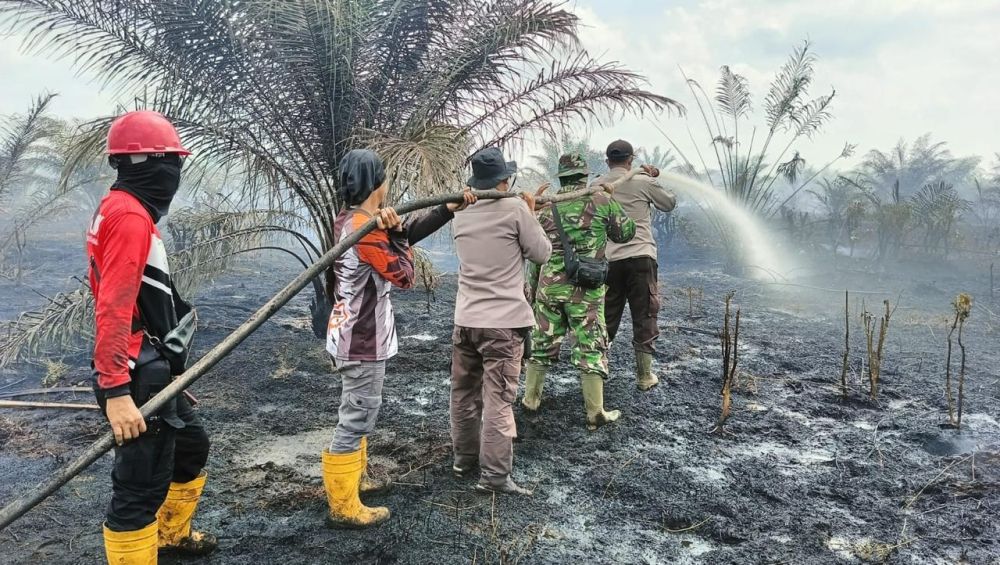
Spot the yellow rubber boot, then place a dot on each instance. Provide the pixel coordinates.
(370, 484)
(645, 377)
(174, 519)
(534, 381)
(136, 547)
(342, 479)
(593, 401)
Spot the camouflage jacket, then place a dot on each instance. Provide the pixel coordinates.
(589, 224)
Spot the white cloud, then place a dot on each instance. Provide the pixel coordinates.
(901, 68)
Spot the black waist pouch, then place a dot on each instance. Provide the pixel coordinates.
(175, 345)
(583, 272)
(587, 272)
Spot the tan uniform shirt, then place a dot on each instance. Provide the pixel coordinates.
(492, 238)
(636, 196)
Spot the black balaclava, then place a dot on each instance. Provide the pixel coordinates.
(153, 182)
(361, 172)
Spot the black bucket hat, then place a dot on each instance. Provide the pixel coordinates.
(489, 168)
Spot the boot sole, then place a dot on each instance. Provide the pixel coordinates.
(338, 525)
(374, 491)
(594, 426)
(485, 490)
(174, 550)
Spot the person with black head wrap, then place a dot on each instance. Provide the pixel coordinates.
(361, 333)
(361, 173)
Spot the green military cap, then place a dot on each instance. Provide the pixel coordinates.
(572, 164)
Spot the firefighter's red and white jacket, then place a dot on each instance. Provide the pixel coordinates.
(128, 267)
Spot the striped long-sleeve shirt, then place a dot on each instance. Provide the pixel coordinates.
(362, 326)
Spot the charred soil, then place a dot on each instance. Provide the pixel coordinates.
(800, 476)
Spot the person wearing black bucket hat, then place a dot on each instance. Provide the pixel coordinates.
(489, 169)
(492, 321)
(361, 333)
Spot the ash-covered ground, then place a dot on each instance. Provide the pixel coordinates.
(801, 477)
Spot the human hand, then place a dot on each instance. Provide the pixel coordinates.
(608, 187)
(388, 219)
(650, 170)
(470, 198)
(126, 420)
(529, 198)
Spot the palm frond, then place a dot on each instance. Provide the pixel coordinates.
(660, 158)
(65, 325)
(790, 169)
(209, 240)
(791, 83)
(19, 136)
(733, 94)
(728, 142)
(811, 116)
(426, 161)
(213, 241)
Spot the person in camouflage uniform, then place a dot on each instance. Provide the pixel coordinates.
(562, 308)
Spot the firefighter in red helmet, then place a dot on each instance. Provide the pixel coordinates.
(143, 329)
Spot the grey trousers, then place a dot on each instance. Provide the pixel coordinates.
(485, 368)
(360, 400)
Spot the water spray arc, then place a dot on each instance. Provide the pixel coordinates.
(759, 250)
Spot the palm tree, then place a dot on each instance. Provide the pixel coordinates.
(844, 208)
(660, 158)
(545, 165)
(286, 88)
(737, 151)
(892, 214)
(937, 207)
(277, 91)
(913, 166)
(23, 140)
(32, 145)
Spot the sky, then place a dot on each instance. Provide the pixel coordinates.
(901, 68)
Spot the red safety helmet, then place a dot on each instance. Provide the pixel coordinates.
(144, 131)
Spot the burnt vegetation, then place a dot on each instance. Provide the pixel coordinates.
(828, 453)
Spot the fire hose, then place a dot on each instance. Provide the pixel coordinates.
(102, 445)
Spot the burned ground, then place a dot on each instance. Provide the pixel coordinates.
(801, 476)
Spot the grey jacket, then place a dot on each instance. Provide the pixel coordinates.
(636, 196)
(492, 238)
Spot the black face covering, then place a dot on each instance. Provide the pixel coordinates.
(153, 182)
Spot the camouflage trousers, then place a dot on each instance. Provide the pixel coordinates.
(583, 321)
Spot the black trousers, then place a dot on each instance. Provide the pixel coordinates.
(634, 281)
(173, 448)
